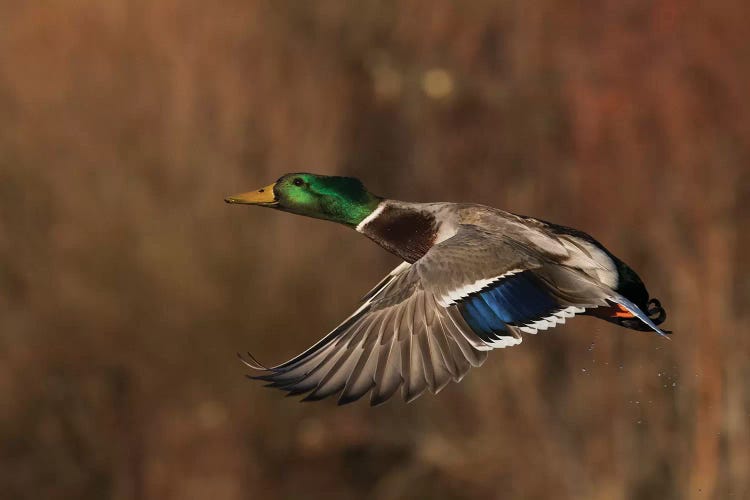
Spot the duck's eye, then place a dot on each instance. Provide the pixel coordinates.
(298, 182)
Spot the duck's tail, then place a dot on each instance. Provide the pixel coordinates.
(625, 313)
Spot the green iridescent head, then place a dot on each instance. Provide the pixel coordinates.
(339, 199)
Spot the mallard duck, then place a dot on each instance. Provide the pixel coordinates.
(473, 279)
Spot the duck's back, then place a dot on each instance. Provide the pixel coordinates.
(572, 248)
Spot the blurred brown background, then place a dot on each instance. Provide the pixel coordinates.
(127, 285)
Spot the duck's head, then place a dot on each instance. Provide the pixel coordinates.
(339, 199)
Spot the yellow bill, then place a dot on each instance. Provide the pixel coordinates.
(263, 196)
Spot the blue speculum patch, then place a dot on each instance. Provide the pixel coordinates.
(516, 300)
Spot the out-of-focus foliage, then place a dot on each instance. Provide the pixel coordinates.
(127, 285)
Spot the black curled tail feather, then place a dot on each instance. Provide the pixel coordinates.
(656, 312)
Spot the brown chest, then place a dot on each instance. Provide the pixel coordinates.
(406, 233)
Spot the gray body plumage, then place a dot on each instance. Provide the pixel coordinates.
(409, 331)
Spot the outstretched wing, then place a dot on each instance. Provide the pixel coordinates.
(399, 337)
(428, 323)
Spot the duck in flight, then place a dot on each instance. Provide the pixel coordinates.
(473, 279)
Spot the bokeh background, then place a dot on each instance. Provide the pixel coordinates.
(127, 285)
